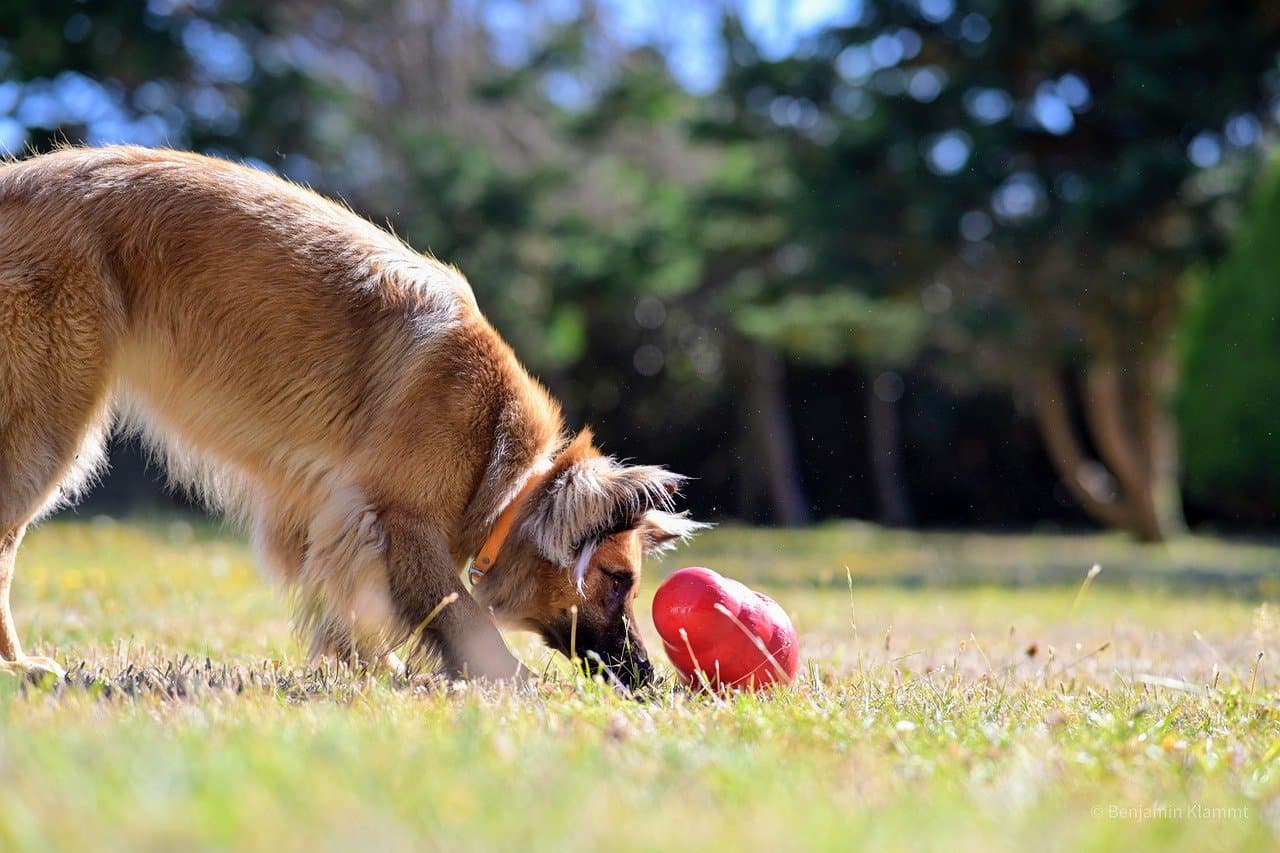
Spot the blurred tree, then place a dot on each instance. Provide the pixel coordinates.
(1035, 172)
(202, 75)
(742, 223)
(826, 289)
(649, 229)
(1228, 402)
(1001, 191)
(831, 327)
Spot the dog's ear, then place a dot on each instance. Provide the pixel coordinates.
(589, 496)
(662, 531)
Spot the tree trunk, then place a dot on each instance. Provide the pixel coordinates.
(1118, 442)
(1159, 434)
(772, 426)
(1068, 459)
(1133, 434)
(885, 447)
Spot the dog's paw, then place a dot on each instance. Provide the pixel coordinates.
(35, 668)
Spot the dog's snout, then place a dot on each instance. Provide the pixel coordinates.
(616, 653)
(631, 670)
(639, 673)
(633, 667)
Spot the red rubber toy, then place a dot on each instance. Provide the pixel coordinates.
(720, 633)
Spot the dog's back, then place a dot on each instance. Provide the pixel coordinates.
(252, 330)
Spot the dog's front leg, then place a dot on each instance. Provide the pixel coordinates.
(426, 592)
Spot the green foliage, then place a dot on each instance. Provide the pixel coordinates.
(1027, 161)
(1229, 404)
(1034, 156)
(1019, 170)
(187, 75)
(831, 327)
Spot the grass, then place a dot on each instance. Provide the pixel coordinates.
(954, 694)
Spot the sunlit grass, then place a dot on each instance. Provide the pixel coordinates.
(936, 708)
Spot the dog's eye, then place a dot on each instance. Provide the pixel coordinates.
(622, 580)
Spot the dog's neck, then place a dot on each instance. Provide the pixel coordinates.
(487, 555)
(509, 469)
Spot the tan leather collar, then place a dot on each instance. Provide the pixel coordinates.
(488, 553)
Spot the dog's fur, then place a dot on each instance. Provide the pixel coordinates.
(311, 375)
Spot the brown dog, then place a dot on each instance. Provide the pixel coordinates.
(308, 373)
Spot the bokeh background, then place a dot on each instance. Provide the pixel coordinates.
(940, 263)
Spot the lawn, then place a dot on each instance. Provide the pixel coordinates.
(957, 691)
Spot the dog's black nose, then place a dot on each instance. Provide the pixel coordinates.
(635, 671)
(630, 670)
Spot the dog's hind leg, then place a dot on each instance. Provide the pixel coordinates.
(11, 657)
(39, 470)
(55, 414)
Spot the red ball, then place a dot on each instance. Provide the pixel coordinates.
(725, 647)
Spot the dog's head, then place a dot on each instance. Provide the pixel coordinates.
(571, 569)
